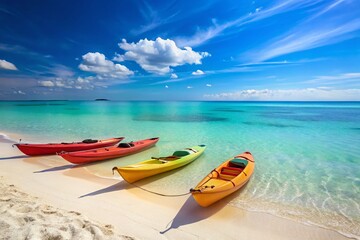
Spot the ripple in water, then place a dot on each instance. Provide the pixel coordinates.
(315, 115)
(227, 110)
(179, 118)
(279, 125)
(39, 104)
(287, 116)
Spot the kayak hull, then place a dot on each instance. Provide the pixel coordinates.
(151, 167)
(216, 185)
(207, 199)
(54, 148)
(106, 153)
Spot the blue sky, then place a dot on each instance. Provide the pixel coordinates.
(180, 50)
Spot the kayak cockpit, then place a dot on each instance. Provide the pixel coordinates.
(232, 169)
(126, 145)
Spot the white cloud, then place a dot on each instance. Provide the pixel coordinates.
(166, 86)
(170, 81)
(118, 57)
(204, 35)
(19, 92)
(153, 17)
(82, 80)
(67, 83)
(189, 87)
(159, 55)
(208, 85)
(304, 38)
(58, 82)
(306, 94)
(341, 78)
(198, 72)
(173, 76)
(326, 9)
(97, 63)
(46, 83)
(7, 65)
(61, 71)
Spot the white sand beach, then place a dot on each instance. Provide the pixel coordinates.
(26, 217)
(46, 197)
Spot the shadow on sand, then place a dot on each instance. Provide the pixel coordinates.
(58, 168)
(15, 157)
(125, 185)
(191, 212)
(65, 167)
(115, 187)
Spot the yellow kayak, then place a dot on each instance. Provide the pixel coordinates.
(153, 166)
(230, 176)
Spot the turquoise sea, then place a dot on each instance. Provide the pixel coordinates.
(307, 153)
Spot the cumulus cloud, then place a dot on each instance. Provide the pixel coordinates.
(78, 83)
(208, 85)
(314, 94)
(159, 55)
(46, 83)
(62, 77)
(198, 72)
(60, 83)
(118, 58)
(82, 80)
(7, 65)
(173, 76)
(189, 87)
(97, 63)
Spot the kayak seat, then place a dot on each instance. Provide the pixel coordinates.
(166, 159)
(171, 158)
(125, 145)
(181, 153)
(229, 173)
(90, 141)
(238, 163)
(192, 150)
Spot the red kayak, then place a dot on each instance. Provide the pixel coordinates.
(53, 148)
(123, 149)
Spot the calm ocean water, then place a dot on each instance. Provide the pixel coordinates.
(307, 153)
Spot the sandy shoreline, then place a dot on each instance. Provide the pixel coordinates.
(26, 217)
(130, 211)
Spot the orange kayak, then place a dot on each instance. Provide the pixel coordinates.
(53, 148)
(227, 178)
(120, 150)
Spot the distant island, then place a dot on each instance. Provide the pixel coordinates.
(102, 99)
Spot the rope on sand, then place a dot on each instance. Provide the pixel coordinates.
(161, 194)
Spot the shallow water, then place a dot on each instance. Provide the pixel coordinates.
(307, 154)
